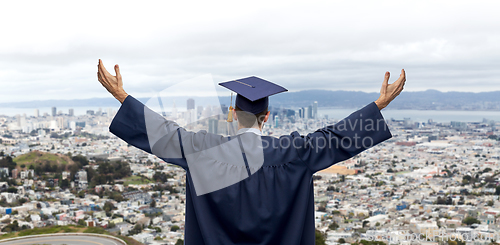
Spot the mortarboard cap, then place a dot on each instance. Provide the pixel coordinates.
(253, 93)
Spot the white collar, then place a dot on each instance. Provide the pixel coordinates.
(250, 130)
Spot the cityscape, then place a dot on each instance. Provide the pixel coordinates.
(435, 178)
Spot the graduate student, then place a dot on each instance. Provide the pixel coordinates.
(249, 188)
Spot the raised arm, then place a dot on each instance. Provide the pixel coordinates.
(352, 135)
(138, 125)
(145, 129)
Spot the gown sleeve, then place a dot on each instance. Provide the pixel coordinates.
(352, 135)
(147, 130)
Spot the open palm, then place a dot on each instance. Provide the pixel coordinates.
(113, 84)
(389, 92)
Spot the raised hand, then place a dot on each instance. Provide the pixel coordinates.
(389, 92)
(113, 84)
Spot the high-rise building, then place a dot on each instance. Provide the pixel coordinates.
(199, 110)
(276, 121)
(60, 122)
(72, 125)
(315, 110)
(71, 112)
(22, 121)
(37, 113)
(190, 104)
(212, 126)
(54, 111)
(80, 124)
(174, 111)
(301, 112)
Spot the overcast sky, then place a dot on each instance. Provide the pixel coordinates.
(49, 49)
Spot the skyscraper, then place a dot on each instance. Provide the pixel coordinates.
(71, 112)
(54, 111)
(315, 110)
(301, 112)
(110, 112)
(174, 111)
(37, 113)
(213, 125)
(190, 104)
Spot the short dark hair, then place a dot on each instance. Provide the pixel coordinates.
(247, 119)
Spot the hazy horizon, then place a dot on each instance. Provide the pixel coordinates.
(111, 97)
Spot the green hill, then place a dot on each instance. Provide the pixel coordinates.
(37, 157)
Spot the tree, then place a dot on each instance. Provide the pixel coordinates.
(153, 203)
(471, 220)
(108, 207)
(80, 160)
(333, 226)
(320, 238)
(174, 228)
(81, 194)
(81, 222)
(23, 165)
(136, 230)
(179, 242)
(64, 183)
(341, 240)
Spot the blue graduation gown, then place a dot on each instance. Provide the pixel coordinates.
(275, 204)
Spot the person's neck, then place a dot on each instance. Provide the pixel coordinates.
(258, 127)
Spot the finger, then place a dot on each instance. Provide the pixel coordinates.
(403, 75)
(117, 71)
(103, 69)
(101, 80)
(385, 83)
(401, 80)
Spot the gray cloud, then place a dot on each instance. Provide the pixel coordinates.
(51, 51)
